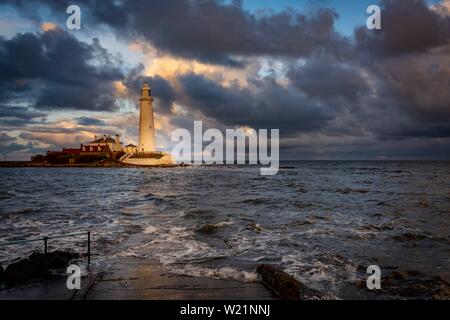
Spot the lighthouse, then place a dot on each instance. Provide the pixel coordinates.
(145, 154)
(146, 121)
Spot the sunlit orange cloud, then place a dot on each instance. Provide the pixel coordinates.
(169, 67)
(46, 26)
(163, 124)
(61, 139)
(126, 121)
(139, 46)
(121, 89)
(63, 133)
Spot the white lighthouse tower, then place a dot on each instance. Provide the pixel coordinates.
(145, 153)
(146, 121)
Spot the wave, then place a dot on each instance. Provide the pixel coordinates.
(225, 273)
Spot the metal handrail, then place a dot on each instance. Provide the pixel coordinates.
(41, 239)
(45, 239)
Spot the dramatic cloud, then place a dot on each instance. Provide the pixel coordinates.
(166, 94)
(410, 60)
(9, 144)
(213, 31)
(86, 121)
(378, 94)
(321, 78)
(266, 105)
(18, 116)
(408, 26)
(54, 70)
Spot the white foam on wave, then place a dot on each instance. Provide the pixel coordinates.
(130, 254)
(322, 272)
(178, 245)
(224, 224)
(150, 230)
(225, 273)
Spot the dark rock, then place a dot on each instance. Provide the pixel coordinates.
(61, 259)
(255, 226)
(34, 265)
(415, 284)
(55, 259)
(207, 228)
(410, 237)
(411, 284)
(23, 270)
(1, 274)
(284, 285)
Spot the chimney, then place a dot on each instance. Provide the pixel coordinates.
(117, 142)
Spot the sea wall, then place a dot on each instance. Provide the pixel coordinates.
(165, 160)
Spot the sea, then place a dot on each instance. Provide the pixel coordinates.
(323, 222)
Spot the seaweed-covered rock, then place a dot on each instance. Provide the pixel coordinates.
(284, 285)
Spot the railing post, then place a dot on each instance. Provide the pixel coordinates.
(45, 255)
(89, 247)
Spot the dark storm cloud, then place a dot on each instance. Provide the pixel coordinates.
(410, 65)
(9, 144)
(5, 138)
(165, 94)
(19, 112)
(420, 83)
(322, 78)
(54, 70)
(86, 121)
(269, 105)
(389, 88)
(408, 26)
(17, 116)
(210, 30)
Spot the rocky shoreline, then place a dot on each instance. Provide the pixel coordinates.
(138, 278)
(34, 266)
(141, 277)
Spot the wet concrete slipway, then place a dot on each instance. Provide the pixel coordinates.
(134, 277)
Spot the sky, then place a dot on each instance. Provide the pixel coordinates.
(335, 89)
